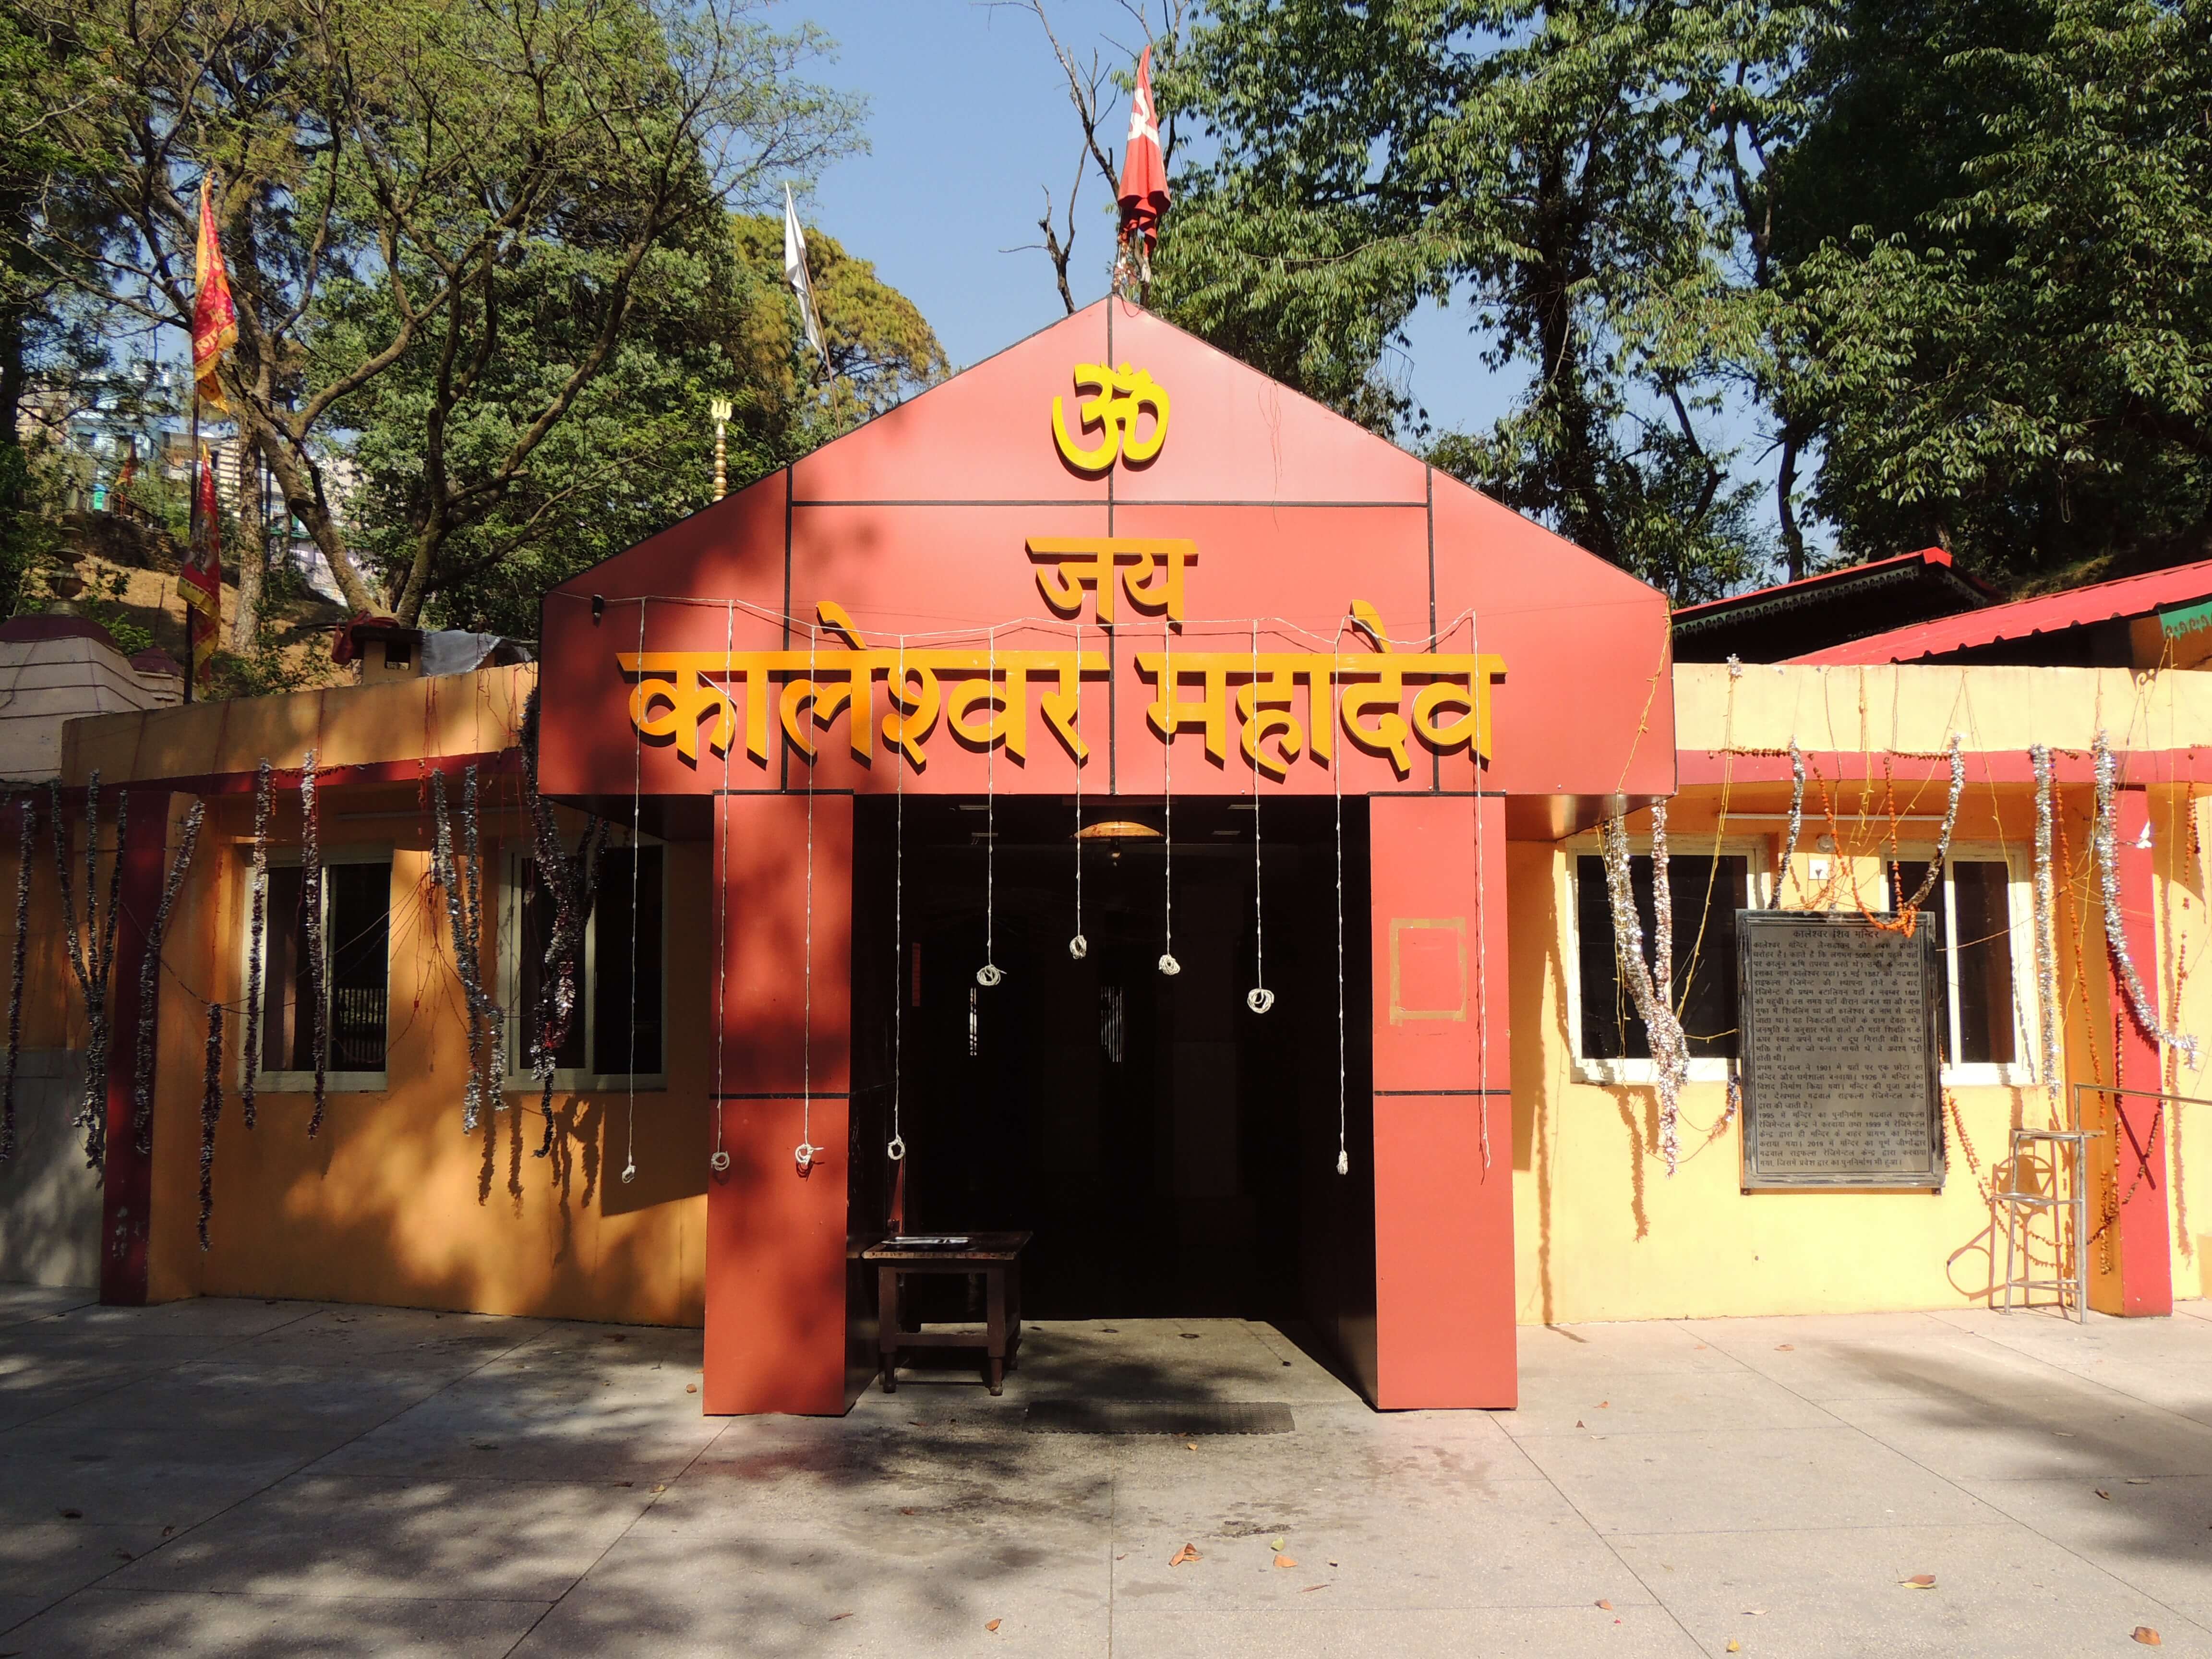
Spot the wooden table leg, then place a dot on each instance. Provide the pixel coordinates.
(887, 1322)
(1013, 1314)
(994, 1280)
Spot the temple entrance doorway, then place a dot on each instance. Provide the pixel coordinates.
(1173, 1152)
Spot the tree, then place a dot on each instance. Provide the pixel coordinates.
(1560, 171)
(711, 318)
(2006, 309)
(401, 182)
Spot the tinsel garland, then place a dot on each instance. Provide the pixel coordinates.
(211, 1110)
(30, 825)
(1910, 908)
(494, 1017)
(2108, 884)
(2046, 931)
(1788, 872)
(462, 883)
(150, 971)
(258, 882)
(1669, 1047)
(1662, 969)
(92, 958)
(572, 881)
(311, 915)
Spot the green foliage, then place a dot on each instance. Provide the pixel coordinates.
(709, 318)
(2012, 351)
(1560, 171)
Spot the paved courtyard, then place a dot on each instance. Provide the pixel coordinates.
(263, 1478)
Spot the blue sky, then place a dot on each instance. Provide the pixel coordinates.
(969, 95)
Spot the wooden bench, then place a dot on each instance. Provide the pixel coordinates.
(995, 1258)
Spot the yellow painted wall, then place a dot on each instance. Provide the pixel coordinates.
(1602, 1231)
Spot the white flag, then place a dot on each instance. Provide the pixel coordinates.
(794, 272)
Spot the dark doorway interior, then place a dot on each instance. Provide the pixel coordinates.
(1173, 1152)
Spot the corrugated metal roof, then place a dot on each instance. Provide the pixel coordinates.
(2051, 613)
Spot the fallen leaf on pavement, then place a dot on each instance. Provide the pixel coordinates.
(990, 1623)
(1919, 1580)
(834, 1617)
(1188, 1553)
(2148, 1637)
(1607, 1605)
(1605, 1405)
(1311, 1588)
(2102, 1493)
(2138, 1480)
(1786, 1347)
(1754, 1612)
(1735, 1646)
(1277, 1543)
(1286, 1560)
(1578, 1422)
(1190, 1445)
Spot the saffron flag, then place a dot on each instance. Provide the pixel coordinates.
(1144, 194)
(199, 584)
(794, 272)
(215, 320)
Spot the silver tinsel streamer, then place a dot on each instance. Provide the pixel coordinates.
(211, 1110)
(311, 913)
(92, 958)
(149, 973)
(1797, 823)
(462, 882)
(2116, 938)
(494, 1017)
(30, 825)
(2046, 931)
(1943, 839)
(572, 881)
(1669, 1047)
(1662, 969)
(258, 882)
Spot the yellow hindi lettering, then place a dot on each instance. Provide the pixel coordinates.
(1153, 577)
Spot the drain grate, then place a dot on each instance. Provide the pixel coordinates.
(1158, 1417)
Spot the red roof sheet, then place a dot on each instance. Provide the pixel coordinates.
(2052, 613)
(1843, 576)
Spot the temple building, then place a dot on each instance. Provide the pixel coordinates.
(1111, 797)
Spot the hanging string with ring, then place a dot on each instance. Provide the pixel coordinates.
(1168, 965)
(806, 1149)
(721, 1161)
(1259, 998)
(636, 821)
(1482, 906)
(989, 974)
(1078, 947)
(1336, 786)
(896, 1150)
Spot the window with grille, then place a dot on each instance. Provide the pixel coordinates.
(356, 942)
(1707, 892)
(619, 1026)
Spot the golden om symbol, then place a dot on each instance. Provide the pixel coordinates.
(1118, 397)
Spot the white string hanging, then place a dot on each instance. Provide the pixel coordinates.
(990, 973)
(2108, 884)
(1336, 788)
(636, 824)
(1259, 998)
(805, 1151)
(256, 929)
(310, 918)
(896, 1150)
(1481, 912)
(1168, 964)
(719, 1160)
(2046, 932)
(1077, 946)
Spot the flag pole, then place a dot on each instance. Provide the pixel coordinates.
(192, 530)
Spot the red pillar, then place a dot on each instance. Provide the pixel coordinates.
(1443, 1188)
(777, 1277)
(126, 1195)
(2143, 1246)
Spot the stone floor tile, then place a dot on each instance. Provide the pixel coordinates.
(2033, 1432)
(2155, 1534)
(46, 1560)
(101, 1623)
(19, 1302)
(1999, 1591)
(127, 1491)
(1666, 1401)
(1762, 1478)
(1161, 1632)
(1618, 1350)
(665, 1592)
(325, 1536)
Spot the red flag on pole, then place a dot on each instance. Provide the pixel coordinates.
(1144, 194)
(215, 318)
(199, 584)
